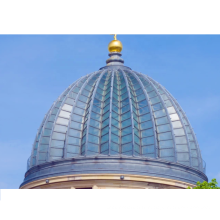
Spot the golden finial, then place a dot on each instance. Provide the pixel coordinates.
(115, 45)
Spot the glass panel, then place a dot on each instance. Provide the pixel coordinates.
(127, 147)
(93, 139)
(143, 110)
(126, 131)
(166, 153)
(147, 133)
(148, 140)
(115, 147)
(106, 122)
(73, 140)
(163, 128)
(60, 128)
(56, 152)
(126, 139)
(192, 145)
(115, 131)
(74, 133)
(163, 120)
(165, 136)
(181, 148)
(160, 113)
(76, 125)
(105, 130)
(96, 109)
(168, 103)
(73, 149)
(179, 132)
(79, 111)
(157, 107)
(166, 144)
(105, 138)
(47, 132)
(148, 149)
(104, 147)
(95, 116)
(194, 153)
(181, 140)
(155, 100)
(146, 117)
(94, 131)
(182, 156)
(126, 116)
(195, 162)
(174, 117)
(94, 123)
(64, 114)
(45, 140)
(57, 144)
(146, 125)
(115, 138)
(93, 147)
(67, 107)
(77, 118)
(126, 123)
(176, 124)
(171, 110)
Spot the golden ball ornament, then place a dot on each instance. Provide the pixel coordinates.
(115, 46)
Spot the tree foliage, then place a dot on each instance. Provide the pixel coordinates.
(205, 185)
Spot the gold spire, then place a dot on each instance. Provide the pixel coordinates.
(115, 45)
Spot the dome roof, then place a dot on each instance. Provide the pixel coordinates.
(117, 113)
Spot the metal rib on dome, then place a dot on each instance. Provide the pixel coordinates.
(116, 112)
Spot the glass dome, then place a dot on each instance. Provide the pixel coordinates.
(116, 112)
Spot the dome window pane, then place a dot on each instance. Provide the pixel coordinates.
(104, 147)
(159, 114)
(165, 136)
(79, 111)
(115, 130)
(95, 123)
(126, 123)
(47, 132)
(70, 102)
(166, 144)
(155, 100)
(182, 156)
(181, 140)
(74, 133)
(57, 144)
(176, 124)
(52, 118)
(163, 128)
(182, 148)
(96, 109)
(106, 122)
(126, 139)
(157, 107)
(146, 117)
(94, 139)
(171, 110)
(192, 145)
(115, 138)
(168, 103)
(148, 149)
(105, 130)
(76, 125)
(93, 147)
(58, 136)
(45, 140)
(147, 133)
(174, 117)
(60, 128)
(127, 147)
(143, 110)
(166, 153)
(43, 148)
(56, 152)
(126, 131)
(179, 132)
(148, 140)
(194, 153)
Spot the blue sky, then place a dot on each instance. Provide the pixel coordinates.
(36, 69)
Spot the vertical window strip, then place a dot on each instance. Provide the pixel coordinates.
(156, 147)
(114, 148)
(180, 118)
(148, 84)
(46, 120)
(104, 145)
(131, 110)
(199, 157)
(89, 151)
(57, 145)
(110, 111)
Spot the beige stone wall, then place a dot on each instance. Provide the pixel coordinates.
(106, 181)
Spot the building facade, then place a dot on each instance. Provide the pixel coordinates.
(115, 128)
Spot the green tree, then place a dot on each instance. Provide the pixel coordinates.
(212, 185)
